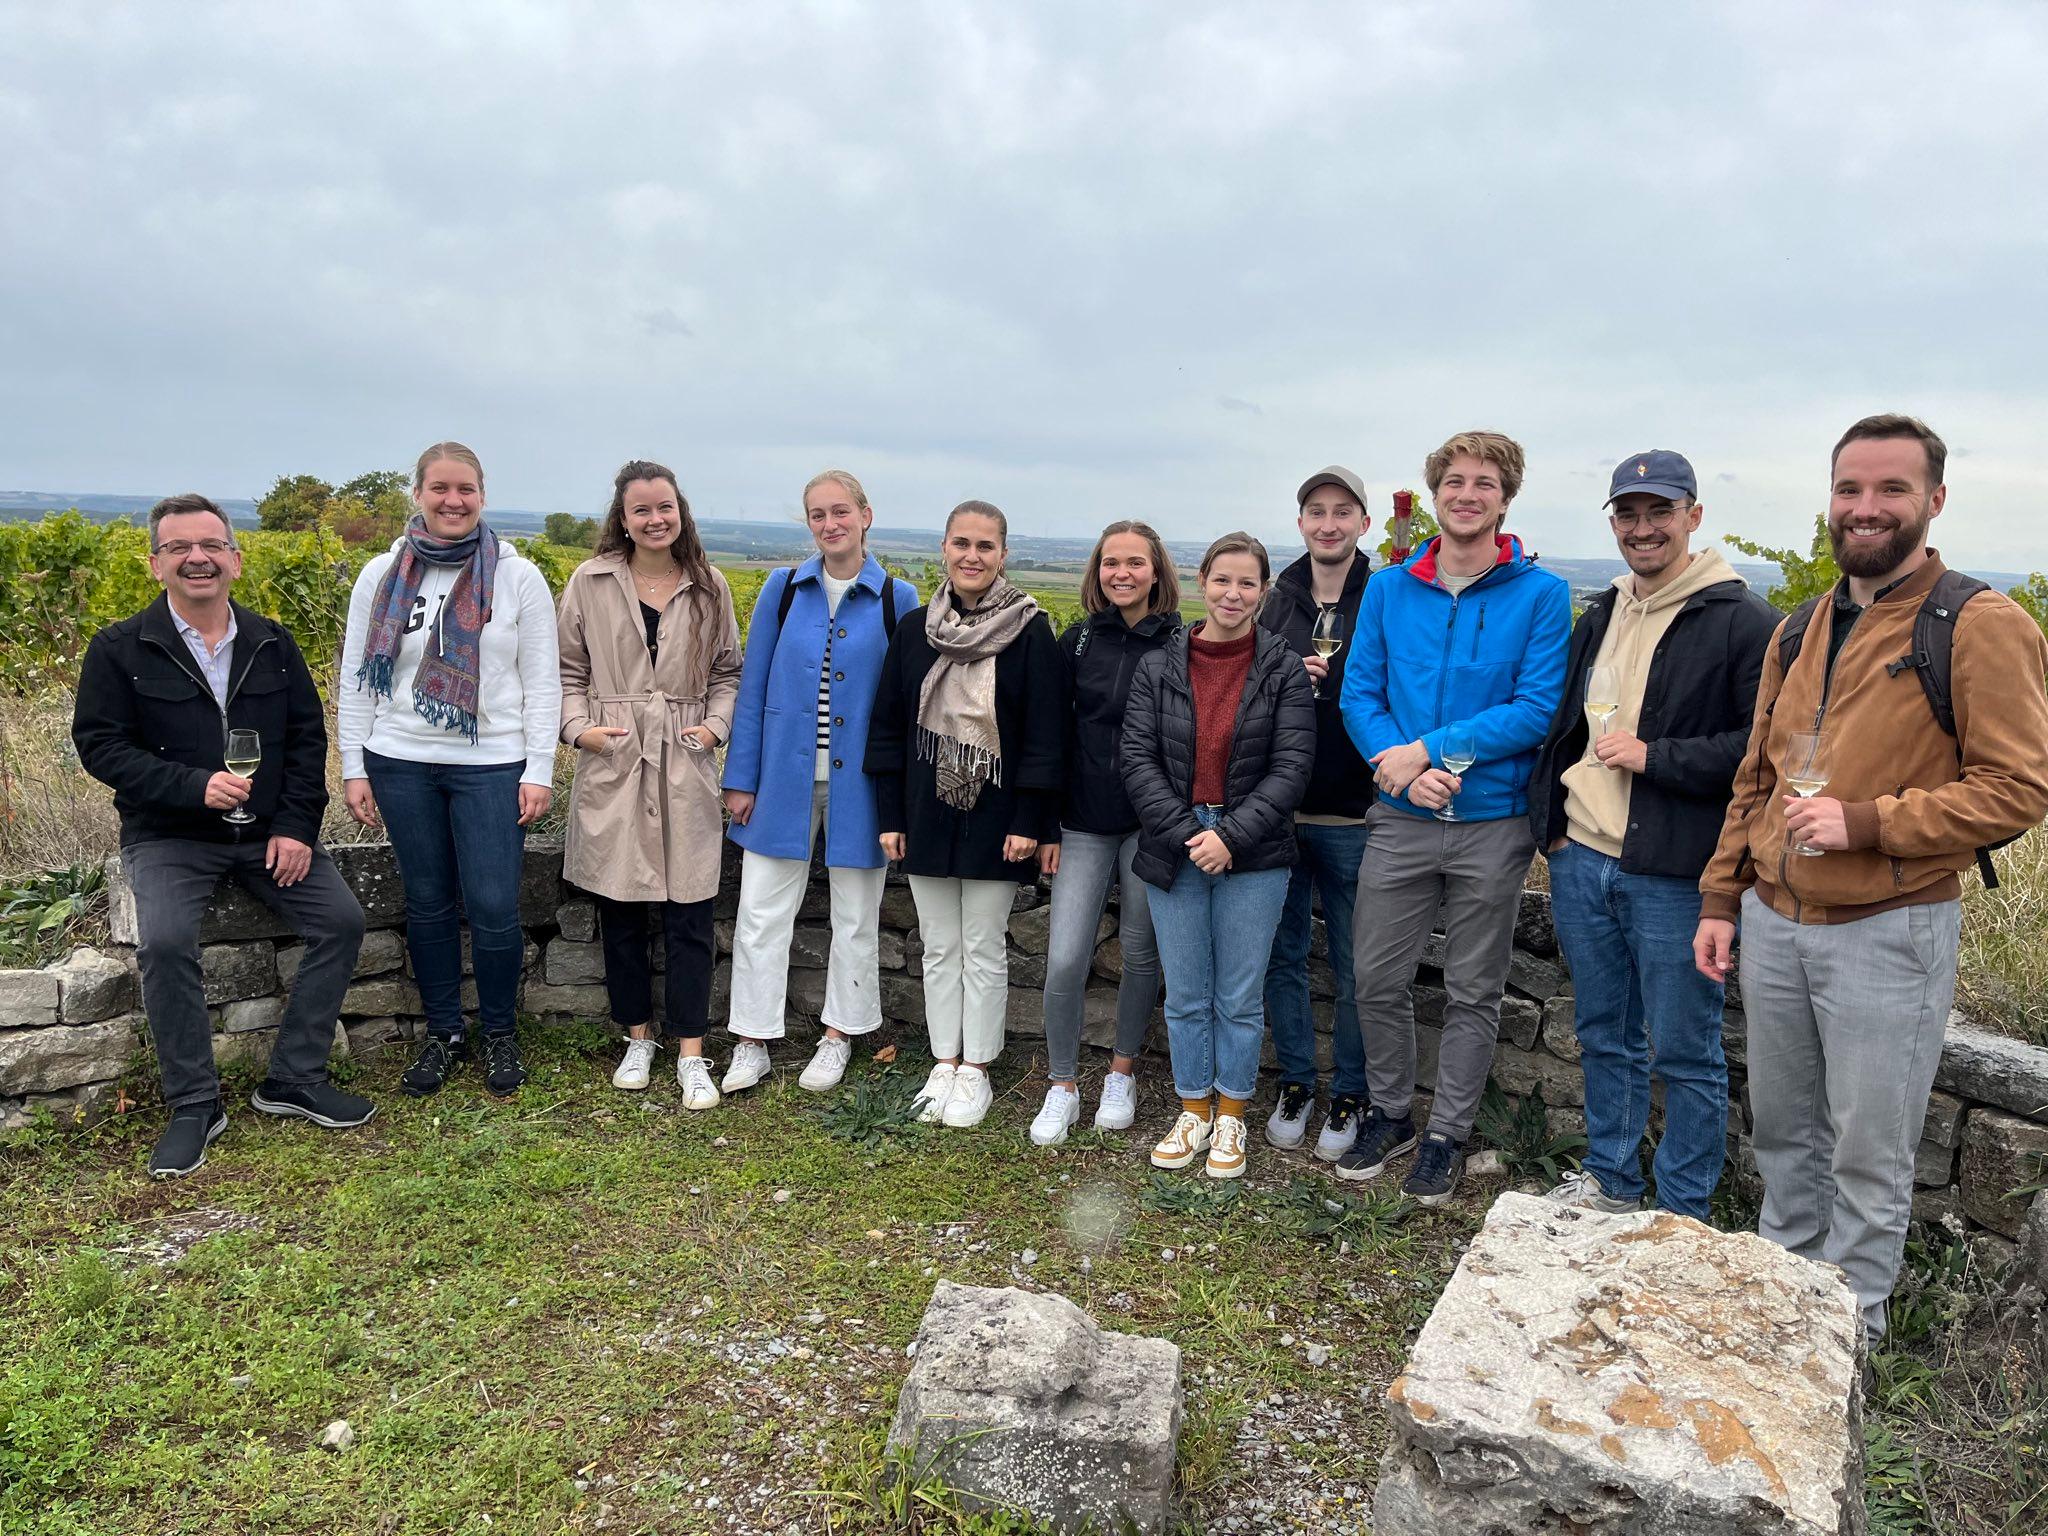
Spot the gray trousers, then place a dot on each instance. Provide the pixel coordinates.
(1089, 863)
(1845, 1030)
(1475, 869)
(173, 879)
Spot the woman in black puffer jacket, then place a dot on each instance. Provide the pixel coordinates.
(1219, 741)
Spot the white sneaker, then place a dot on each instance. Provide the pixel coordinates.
(827, 1065)
(632, 1073)
(1582, 1190)
(937, 1089)
(749, 1066)
(1340, 1130)
(693, 1076)
(1056, 1116)
(1188, 1140)
(969, 1101)
(1119, 1106)
(1226, 1148)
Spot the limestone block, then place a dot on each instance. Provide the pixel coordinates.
(1990, 1069)
(390, 995)
(367, 1036)
(810, 946)
(577, 920)
(1521, 1022)
(1933, 1165)
(1936, 1205)
(2034, 1242)
(570, 964)
(232, 971)
(1019, 1399)
(584, 1001)
(93, 987)
(1944, 1123)
(70, 1108)
(252, 1013)
(2001, 1153)
(903, 999)
(1029, 930)
(250, 1046)
(805, 999)
(1633, 1373)
(29, 998)
(65, 1056)
(1560, 1031)
(1521, 1072)
(231, 912)
(889, 948)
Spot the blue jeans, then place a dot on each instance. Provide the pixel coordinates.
(1090, 862)
(455, 828)
(1215, 933)
(1329, 860)
(1628, 941)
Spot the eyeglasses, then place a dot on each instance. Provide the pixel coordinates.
(178, 549)
(1656, 517)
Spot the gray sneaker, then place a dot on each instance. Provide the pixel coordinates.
(1582, 1190)
(1288, 1123)
(1340, 1130)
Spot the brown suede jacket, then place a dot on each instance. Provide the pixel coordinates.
(1918, 803)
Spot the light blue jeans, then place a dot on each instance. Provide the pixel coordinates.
(1089, 863)
(1215, 934)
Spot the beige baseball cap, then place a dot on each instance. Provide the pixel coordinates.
(1332, 474)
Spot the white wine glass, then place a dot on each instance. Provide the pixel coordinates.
(1603, 695)
(243, 757)
(1459, 753)
(1326, 638)
(1806, 770)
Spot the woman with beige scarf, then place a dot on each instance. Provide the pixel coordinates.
(965, 747)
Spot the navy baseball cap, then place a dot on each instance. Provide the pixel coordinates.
(1660, 472)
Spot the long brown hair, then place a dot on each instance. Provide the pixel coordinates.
(688, 548)
(1165, 580)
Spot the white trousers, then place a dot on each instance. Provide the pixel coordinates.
(771, 890)
(965, 925)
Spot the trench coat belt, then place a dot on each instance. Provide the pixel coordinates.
(658, 719)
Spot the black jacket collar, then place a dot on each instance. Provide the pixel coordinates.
(1299, 579)
(1110, 621)
(252, 630)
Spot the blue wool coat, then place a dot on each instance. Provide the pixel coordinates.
(774, 748)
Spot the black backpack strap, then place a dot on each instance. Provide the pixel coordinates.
(1792, 635)
(888, 607)
(788, 596)
(1934, 643)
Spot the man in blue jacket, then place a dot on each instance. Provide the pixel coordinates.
(1462, 648)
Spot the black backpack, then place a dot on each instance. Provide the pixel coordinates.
(888, 603)
(1932, 660)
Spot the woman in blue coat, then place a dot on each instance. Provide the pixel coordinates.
(793, 768)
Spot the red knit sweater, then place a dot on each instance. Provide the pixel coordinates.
(1216, 673)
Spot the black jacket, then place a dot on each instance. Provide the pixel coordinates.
(1030, 700)
(1697, 704)
(1101, 652)
(147, 725)
(1272, 751)
(1341, 784)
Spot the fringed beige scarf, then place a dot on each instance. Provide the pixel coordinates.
(956, 711)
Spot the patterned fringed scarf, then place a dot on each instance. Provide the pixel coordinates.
(444, 688)
(956, 710)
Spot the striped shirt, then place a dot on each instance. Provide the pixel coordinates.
(835, 589)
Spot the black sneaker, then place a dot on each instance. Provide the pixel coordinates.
(182, 1147)
(1436, 1170)
(321, 1103)
(1340, 1131)
(1379, 1142)
(503, 1070)
(1289, 1121)
(434, 1065)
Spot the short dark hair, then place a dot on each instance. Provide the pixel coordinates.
(1892, 424)
(178, 506)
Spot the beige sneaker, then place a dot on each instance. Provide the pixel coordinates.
(1188, 1140)
(1226, 1148)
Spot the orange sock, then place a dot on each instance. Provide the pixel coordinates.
(1197, 1107)
(1226, 1105)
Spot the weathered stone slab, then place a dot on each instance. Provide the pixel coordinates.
(578, 921)
(1933, 1165)
(371, 871)
(1029, 931)
(1944, 1123)
(1990, 1069)
(2001, 1153)
(252, 1013)
(1533, 929)
(389, 995)
(94, 986)
(586, 1001)
(232, 971)
(1637, 1373)
(1560, 1029)
(1019, 1399)
(382, 953)
(903, 999)
(1522, 1072)
(70, 1109)
(574, 965)
(65, 1056)
(810, 946)
(29, 998)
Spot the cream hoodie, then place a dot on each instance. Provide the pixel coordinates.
(1596, 796)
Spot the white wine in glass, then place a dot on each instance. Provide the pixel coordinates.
(243, 757)
(1326, 638)
(1459, 754)
(1806, 770)
(1603, 695)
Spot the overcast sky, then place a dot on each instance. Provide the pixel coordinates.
(1082, 260)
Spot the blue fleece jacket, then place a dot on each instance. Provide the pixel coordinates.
(1492, 657)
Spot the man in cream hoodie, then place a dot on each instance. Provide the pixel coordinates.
(1627, 799)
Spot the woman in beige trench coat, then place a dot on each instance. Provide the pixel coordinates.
(650, 655)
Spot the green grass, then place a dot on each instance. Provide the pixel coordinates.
(579, 1305)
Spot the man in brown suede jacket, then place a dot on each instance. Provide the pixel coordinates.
(1849, 957)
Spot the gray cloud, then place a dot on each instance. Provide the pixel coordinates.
(1041, 254)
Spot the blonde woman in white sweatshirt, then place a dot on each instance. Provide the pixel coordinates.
(449, 698)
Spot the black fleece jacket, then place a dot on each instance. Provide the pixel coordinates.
(1341, 784)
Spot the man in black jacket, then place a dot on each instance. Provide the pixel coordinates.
(157, 695)
(1329, 829)
(1665, 664)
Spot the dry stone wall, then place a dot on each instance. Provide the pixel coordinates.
(71, 1034)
